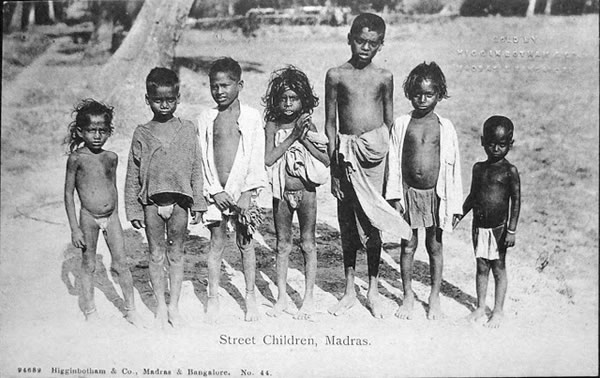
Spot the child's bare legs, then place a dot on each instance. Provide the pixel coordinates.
(307, 217)
(116, 245)
(501, 280)
(407, 256)
(481, 284)
(218, 233)
(373, 248)
(282, 217)
(246, 247)
(155, 233)
(88, 263)
(176, 231)
(433, 244)
(349, 235)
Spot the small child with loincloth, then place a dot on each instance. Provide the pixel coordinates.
(424, 179)
(233, 156)
(92, 172)
(359, 95)
(495, 198)
(296, 158)
(164, 182)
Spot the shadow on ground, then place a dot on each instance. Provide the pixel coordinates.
(330, 272)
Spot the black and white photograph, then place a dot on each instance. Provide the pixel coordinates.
(299, 188)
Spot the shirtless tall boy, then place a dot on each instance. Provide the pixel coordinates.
(233, 155)
(362, 94)
(495, 198)
(424, 180)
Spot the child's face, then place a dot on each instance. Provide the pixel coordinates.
(224, 89)
(365, 45)
(496, 143)
(163, 102)
(96, 133)
(425, 97)
(290, 103)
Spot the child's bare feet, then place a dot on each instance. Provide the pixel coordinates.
(281, 306)
(212, 309)
(476, 315)
(175, 317)
(435, 308)
(344, 304)
(251, 308)
(406, 310)
(306, 311)
(161, 319)
(134, 318)
(495, 320)
(375, 306)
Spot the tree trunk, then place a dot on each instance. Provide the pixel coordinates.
(548, 7)
(150, 43)
(531, 8)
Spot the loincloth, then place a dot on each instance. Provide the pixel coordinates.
(422, 207)
(102, 222)
(487, 242)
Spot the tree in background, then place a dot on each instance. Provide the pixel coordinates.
(150, 43)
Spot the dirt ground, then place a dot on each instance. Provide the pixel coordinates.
(551, 307)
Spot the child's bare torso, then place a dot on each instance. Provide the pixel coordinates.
(421, 152)
(360, 94)
(226, 138)
(95, 181)
(492, 193)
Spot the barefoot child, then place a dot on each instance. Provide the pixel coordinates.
(296, 156)
(92, 172)
(362, 94)
(164, 182)
(424, 180)
(495, 198)
(233, 154)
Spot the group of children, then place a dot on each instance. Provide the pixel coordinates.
(387, 176)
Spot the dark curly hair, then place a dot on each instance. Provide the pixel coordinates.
(424, 71)
(83, 111)
(282, 79)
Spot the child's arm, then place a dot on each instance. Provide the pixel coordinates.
(133, 208)
(388, 100)
(314, 151)
(76, 234)
(470, 200)
(197, 181)
(331, 83)
(515, 206)
(272, 152)
(256, 178)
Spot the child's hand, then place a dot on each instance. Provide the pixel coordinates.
(77, 238)
(301, 126)
(197, 217)
(223, 201)
(509, 240)
(396, 205)
(456, 220)
(137, 224)
(335, 188)
(244, 203)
